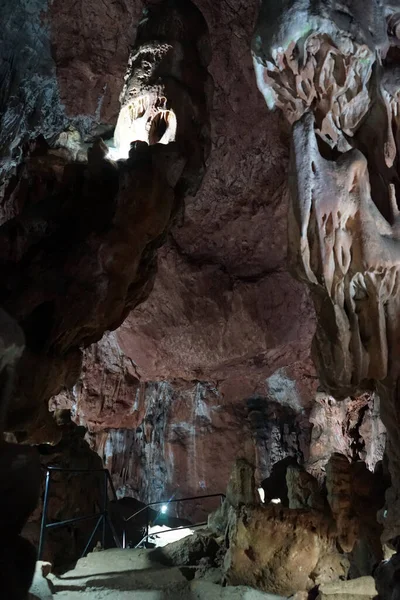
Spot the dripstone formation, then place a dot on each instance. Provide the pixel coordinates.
(170, 246)
(332, 69)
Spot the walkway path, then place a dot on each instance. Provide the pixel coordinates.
(133, 575)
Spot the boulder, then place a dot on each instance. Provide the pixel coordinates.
(188, 551)
(282, 551)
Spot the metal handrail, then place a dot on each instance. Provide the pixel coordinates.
(102, 517)
(170, 502)
(166, 502)
(169, 531)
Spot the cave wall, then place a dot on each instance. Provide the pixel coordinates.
(226, 329)
(214, 363)
(179, 438)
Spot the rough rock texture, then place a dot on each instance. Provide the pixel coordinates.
(303, 490)
(93, 267)
(229, 251)
(339, 488)
(167, 438)
(351, 427)
(29, 102)
(220, 350)
(216, 363)
(362, 587)
(163, 438)
(323, 533)
(343, 224)
(70, 495)
(187, 552)
(85, 234)
(386, 577)
(137, 573)
(213, 326)
(241, 489)
(300, 553)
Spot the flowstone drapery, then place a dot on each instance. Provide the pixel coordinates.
(334, 70)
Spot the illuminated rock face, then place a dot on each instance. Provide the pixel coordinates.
(164, 98)
(216, 362)
(330, 86)
(80, 249)
(333, 70)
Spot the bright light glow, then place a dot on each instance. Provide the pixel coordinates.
(118, 153)
(144, 120)
(164, 509)
(276, 501)
(261, 493)
(167, 536)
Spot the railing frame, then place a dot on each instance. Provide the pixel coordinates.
(102, 517)
(167, 502)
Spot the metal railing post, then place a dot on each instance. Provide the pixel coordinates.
(147, 525)
(105, 509)
(175, 501)
(103, 515)
(92, 535)
(110, 523)
(43, 525)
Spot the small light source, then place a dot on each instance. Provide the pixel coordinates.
(261, 493)
(275, 501)
(164, 508)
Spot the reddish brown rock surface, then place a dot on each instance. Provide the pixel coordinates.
(202, 322)
(301, 552)
(79, 251)
(215, 363)
(91, 44)
(182, 437)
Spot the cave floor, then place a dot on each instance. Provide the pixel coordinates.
(127, 574)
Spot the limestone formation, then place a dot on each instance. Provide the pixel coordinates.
(303, 490)
(332, 69)
(164, 101)
(362, 588)
(282, 551)
(339, 242)
(102, 255)
(340, 511)
(339, 488)
(103, 220)
(351, 427)
(215, 363)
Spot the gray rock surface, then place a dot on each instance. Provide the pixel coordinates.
(116, 574)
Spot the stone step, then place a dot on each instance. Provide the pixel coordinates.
(117, 574)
